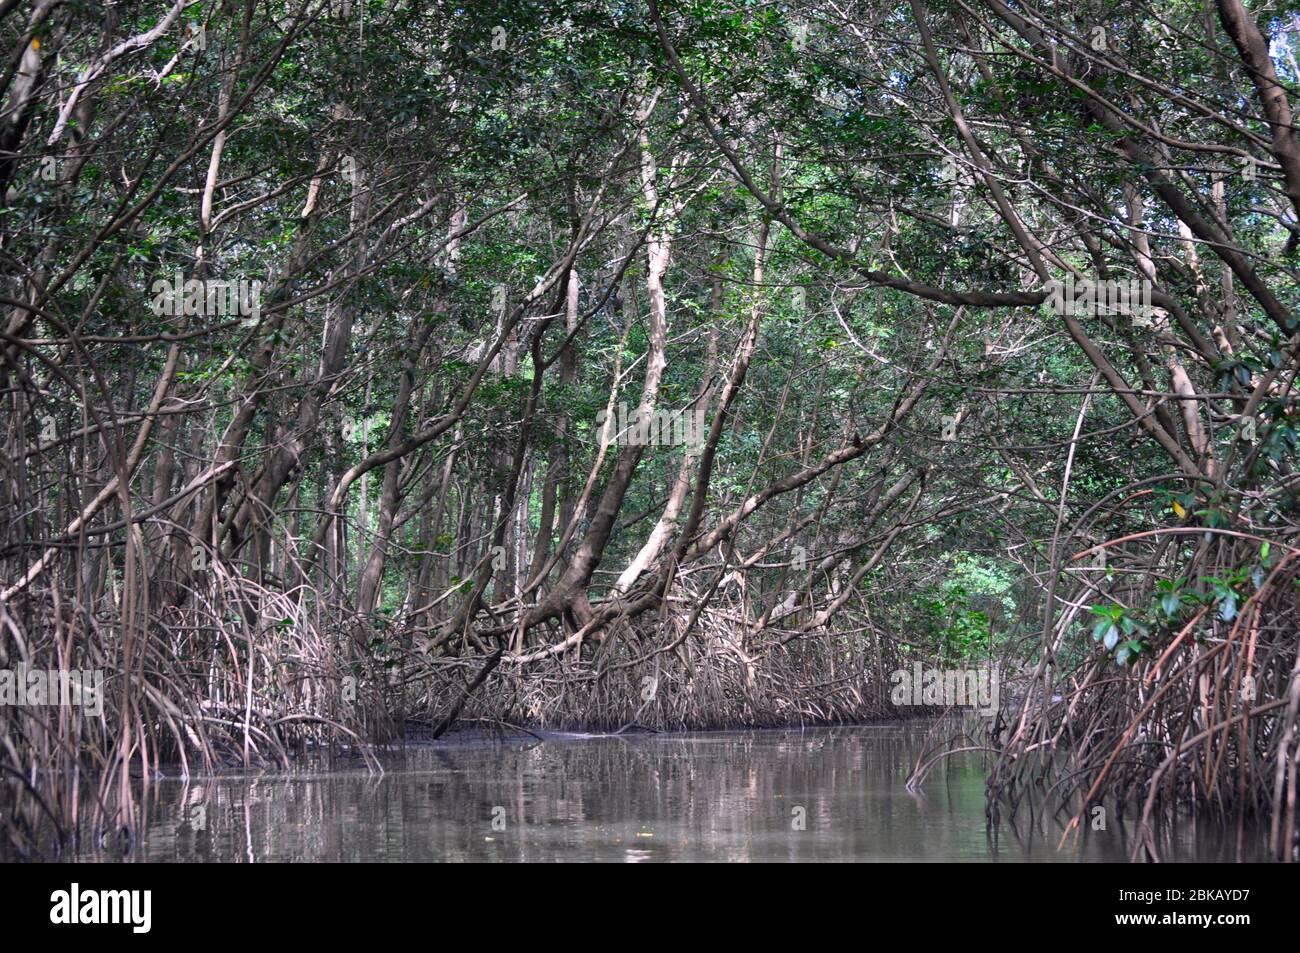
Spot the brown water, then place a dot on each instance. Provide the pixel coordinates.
(732, 796)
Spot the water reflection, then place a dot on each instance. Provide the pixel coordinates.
(814, 795)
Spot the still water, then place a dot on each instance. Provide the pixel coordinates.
(826, 794)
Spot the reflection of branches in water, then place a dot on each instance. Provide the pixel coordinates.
(180, 491)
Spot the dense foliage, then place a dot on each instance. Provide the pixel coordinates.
(380, 489)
